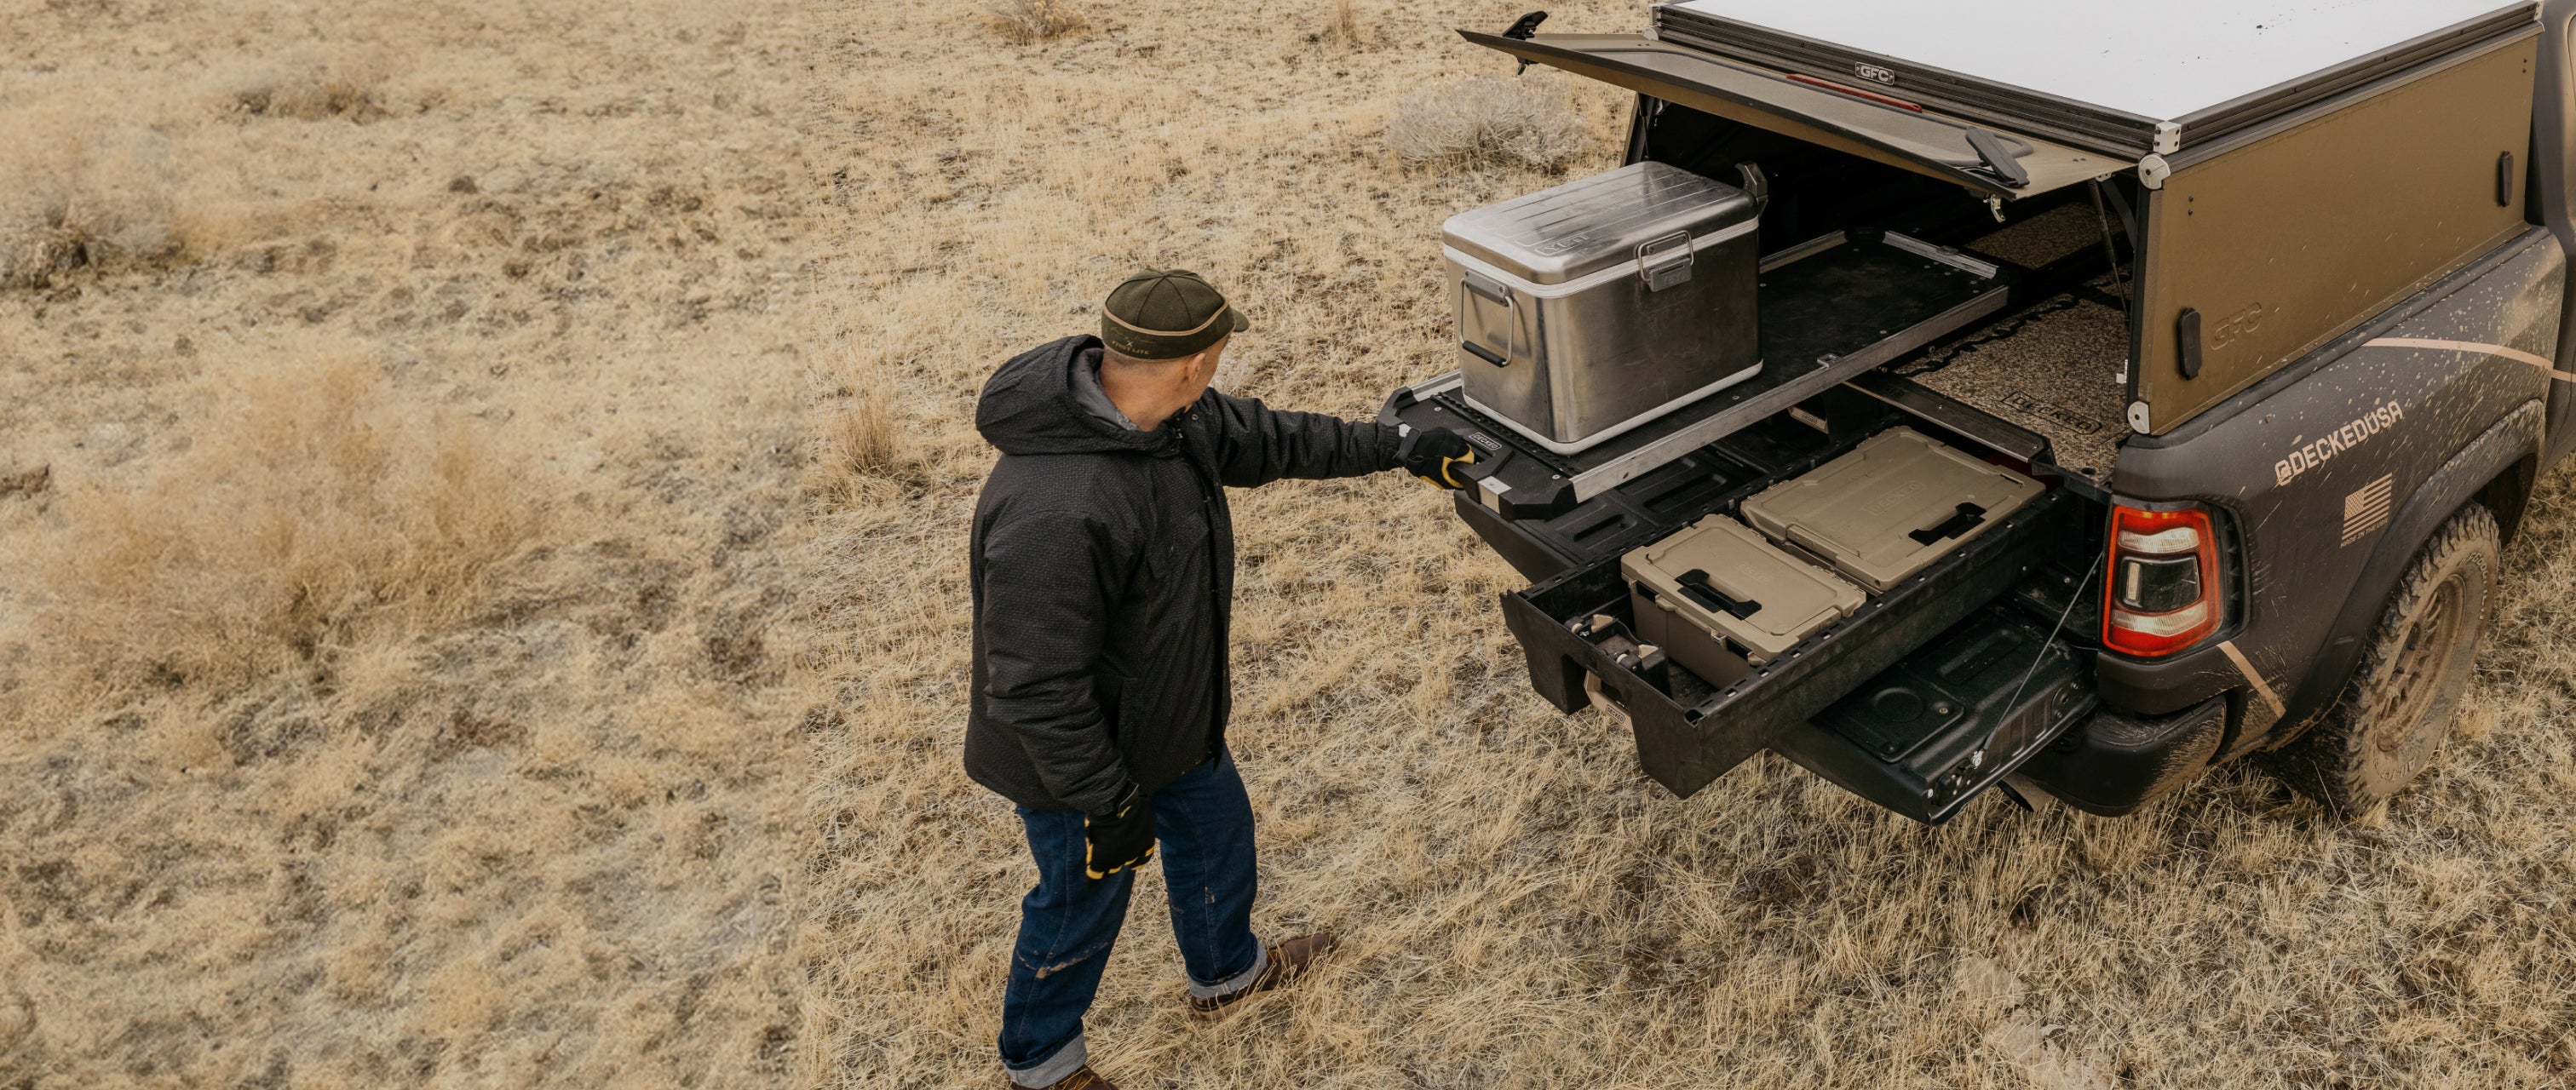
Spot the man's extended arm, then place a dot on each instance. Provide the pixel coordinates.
(1259, 444)
(1044, 621)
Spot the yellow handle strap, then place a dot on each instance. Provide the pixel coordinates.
(1448, 477)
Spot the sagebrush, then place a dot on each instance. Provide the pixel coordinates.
(100, 203)
(1342, 24)
(1033, 20)
(319, 506)
(1487, 121)
(311, 96)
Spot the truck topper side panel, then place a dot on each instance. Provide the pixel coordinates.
(2266, 246)
(2316, 465)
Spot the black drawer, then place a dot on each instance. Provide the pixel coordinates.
(1688, 733)
(1954, 718)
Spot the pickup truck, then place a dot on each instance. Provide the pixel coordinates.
(2268, 295)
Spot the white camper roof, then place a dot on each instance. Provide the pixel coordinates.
(2157, 59)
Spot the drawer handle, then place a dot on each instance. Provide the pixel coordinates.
(1694, 584)
(1969, 517)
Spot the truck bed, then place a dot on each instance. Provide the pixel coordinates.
(1938, 686)
(2055, 371)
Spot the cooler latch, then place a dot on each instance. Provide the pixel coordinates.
(1665, 261)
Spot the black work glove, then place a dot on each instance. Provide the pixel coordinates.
(1121, 840)
(1434, 454)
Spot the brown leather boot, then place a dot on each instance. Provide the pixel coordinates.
(1288, 961)
(1083, 1078)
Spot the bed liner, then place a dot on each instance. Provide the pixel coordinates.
(2058, 374)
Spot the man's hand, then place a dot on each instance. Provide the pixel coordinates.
(1434, 454)
(1120, 841)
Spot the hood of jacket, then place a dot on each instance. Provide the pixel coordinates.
(1031, 406)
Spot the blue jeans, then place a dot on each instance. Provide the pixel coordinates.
(1203, 824)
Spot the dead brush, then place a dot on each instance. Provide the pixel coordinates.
(317, 512)
(104, 205)
(310, 97)
(1487, 122)
(1342, 25)
(860, 443)
(1026, 21)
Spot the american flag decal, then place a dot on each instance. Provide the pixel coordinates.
(2365, 512)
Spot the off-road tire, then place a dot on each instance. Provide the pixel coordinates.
(2384, 728)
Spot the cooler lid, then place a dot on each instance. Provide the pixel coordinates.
(1726, 579)
(1600, 222)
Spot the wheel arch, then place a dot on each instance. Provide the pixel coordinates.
(2502, 462)
(2508, 494)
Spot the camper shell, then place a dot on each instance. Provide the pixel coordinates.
(2290, 276)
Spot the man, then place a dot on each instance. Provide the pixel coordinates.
(1103, 570)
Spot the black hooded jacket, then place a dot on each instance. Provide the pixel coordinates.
(1103, 572)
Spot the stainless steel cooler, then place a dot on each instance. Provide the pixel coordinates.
(1590, 308)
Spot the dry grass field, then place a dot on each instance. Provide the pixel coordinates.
(483, 497)
(400, 448)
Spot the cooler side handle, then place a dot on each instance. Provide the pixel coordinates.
(1468, 281)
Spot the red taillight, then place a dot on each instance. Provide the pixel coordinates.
(2163, 593)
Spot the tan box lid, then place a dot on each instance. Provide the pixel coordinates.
(1891, 507)
(1722, 577)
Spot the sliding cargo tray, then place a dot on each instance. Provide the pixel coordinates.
(1829, 311)
(1579, 627)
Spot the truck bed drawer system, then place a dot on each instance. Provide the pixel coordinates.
(1822, 558)
(1920, 696)
(1991, 693)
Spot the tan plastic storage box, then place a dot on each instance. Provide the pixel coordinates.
(1720, 600)
(1889, 508)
